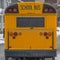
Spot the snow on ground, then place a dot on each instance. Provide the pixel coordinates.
(58, 31)
(1, 39)
(1, 42)
(58, 57)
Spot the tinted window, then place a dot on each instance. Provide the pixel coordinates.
(30, 22)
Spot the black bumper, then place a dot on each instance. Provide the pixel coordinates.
(30, 53)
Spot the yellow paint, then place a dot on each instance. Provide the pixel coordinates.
(30, 39)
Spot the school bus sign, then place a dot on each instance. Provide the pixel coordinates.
(30, 7)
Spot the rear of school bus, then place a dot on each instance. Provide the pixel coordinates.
(30, 30)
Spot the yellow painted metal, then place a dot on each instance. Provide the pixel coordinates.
(30, 39)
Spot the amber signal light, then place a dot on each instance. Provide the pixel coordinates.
(14, 10)
(49, 33)
(11, 33)
(46, 10)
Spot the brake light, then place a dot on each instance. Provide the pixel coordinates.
(15, 33)
(45, 33)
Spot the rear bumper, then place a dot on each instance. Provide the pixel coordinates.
(30, 53)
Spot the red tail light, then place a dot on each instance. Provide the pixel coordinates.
(50, 10)
(10, 10)
(45, 33)
(15, 33)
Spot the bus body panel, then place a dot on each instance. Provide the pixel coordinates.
(49, 26)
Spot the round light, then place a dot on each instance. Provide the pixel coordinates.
(15, 10)
(13, 37)
(10, 10)
(11, 33)
(49, 33)
(45, 33)
(47, 37)
(15, 33)
(50, 10)
(46, 10)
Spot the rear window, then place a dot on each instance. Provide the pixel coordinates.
(30, 21)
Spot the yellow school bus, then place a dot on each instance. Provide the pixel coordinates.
(30, 31)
